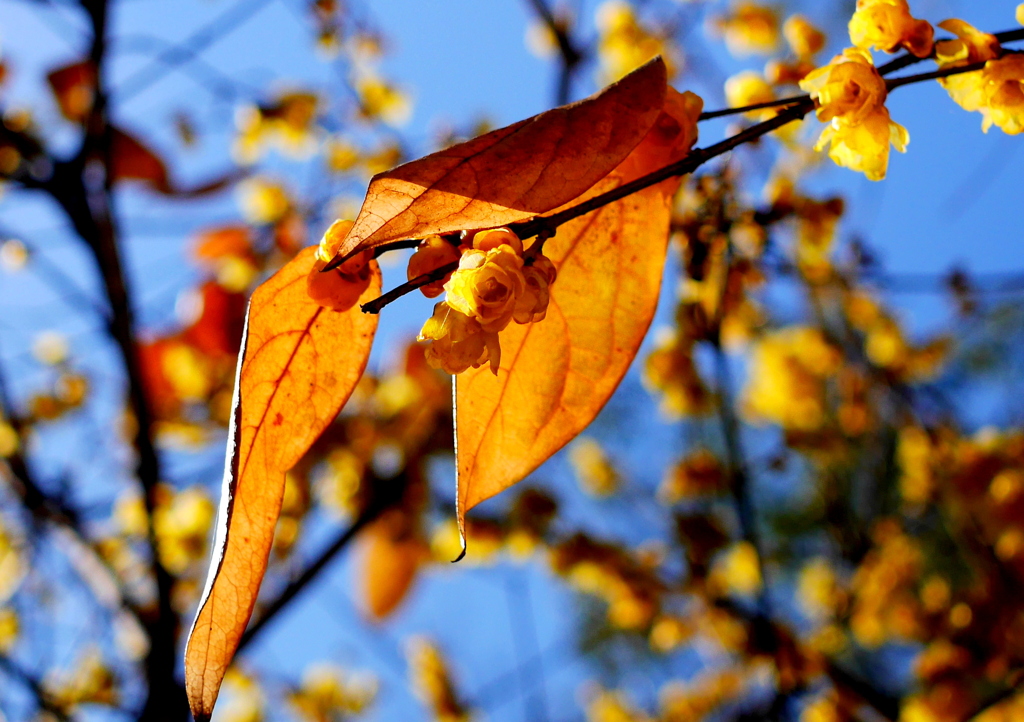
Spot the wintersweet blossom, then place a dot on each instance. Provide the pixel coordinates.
(750, 29)
(432, 253)
(970, 46)
(486, 286)
(1003, 87)
(887, 25)
(802, 36)
(458, 342)
(851, 97)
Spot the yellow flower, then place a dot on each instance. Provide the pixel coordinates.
(750, 29)
(263, 200)
(887, 25)
(594, 470)
(379, 100)
(624, 44)
(970, 46)
(1020, 13)
(532, 305)
(805, 39)
(430, 255)
(851, 97)
(750, 88)
(737, 571)
(487, 285)
(458, 342)
(1003, 87)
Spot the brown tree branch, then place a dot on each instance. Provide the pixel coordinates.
(569, 53)
(32, 685)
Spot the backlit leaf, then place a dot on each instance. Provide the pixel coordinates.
(392, 551)
(557, 374)
(298, 366)
(515, 172)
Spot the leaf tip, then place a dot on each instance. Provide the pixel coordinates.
(462, 554)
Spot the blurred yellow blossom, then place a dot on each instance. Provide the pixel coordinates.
(432, 681)
(817, 589)
(750, 28)
(737, 571)
(624, 44)
(50, 348)
(10, 628)
(803, 37)
(381, 100)
(594, 470)
(263, 200)
(330, 694)
(608, 706)
(181, 522)
(286, 124)
(787, 371)
(750, 88)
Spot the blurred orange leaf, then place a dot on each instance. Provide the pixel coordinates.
(216, 243)
(392, 551)
(74, 88)
(131, 159)
(512, 173)
(556, 374)
(298, 366)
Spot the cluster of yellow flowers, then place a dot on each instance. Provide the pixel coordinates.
(851, 95)
(624, 43)
(787, 373)
(885, 604)
(594, 470)
(330, 694)
(287, 124)
(626, 583)
(496, 282)
(997, 91)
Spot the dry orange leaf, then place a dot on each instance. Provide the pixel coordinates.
(557, 374)
(512, 173)
(298, 366)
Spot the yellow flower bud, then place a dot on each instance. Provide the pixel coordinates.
(431, 254)
(487, 285)
(532, 305)
(805, 39)
(749, 88)
(494, 237)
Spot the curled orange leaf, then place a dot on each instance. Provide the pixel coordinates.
(298, 365)
(557, 374)
(512, 173)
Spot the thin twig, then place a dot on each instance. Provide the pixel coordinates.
(33, 686)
